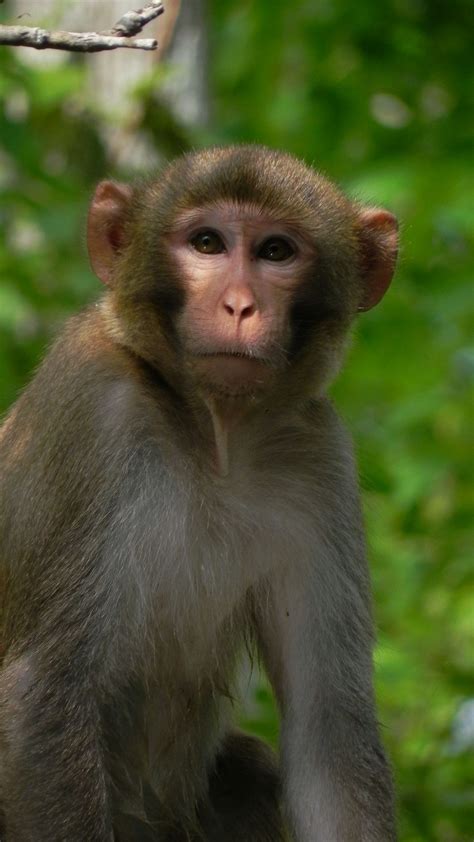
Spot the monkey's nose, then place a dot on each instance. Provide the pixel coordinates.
(241, 312)
(239, 304)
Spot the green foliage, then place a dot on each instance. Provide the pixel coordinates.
(377, 95)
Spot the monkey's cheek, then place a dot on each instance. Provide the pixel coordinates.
(232, 375)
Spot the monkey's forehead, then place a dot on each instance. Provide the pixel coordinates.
(276, 182)
(230, 210)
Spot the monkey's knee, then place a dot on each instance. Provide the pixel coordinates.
(244, 790)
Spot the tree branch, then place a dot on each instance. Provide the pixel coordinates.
(129, 24)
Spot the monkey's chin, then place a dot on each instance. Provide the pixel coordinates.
(232, 375)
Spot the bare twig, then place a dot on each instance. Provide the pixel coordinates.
(76, 42)
(88, 42)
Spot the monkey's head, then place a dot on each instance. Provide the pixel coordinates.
(238, 268)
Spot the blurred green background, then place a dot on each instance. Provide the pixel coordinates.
(377, 96)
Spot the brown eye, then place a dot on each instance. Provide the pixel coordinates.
(208, 242)
(276, 248)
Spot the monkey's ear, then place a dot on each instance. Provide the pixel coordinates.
(105, 226)
(379, 240)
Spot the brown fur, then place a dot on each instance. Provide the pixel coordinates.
(134, 567)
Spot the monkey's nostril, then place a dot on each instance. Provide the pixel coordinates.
(247, 311)
(241, 312)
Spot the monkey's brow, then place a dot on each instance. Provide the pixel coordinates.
(232, 209)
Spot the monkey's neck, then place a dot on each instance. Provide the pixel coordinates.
(225, 417)
(220, 427)
(222, 421)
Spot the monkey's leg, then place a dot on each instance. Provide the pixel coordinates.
(129, 829)
(244, 791)
(243, 806)
(54, 785)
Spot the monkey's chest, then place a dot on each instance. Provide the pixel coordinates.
(196, 568)
(197, 556)
(188, 550)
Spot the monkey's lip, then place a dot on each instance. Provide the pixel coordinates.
(232, 371)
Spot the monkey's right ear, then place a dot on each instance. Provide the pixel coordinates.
(105, 226)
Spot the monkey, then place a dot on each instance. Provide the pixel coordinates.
(176, 487)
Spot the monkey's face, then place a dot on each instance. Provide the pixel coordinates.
(240, 270)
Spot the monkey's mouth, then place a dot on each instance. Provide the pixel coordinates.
(232, 372)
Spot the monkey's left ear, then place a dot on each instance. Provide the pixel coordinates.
(105, 225)
(378, 233)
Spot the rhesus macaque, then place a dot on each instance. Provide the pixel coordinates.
(176, 485)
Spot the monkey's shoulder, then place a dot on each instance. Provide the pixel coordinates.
(81, 367)
(71, 416)
(316, 430)
(321, 414)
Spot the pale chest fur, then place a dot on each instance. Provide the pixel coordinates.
(192, 546)
(193, 552)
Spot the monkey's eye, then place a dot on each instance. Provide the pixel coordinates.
(207, 242)
(276, 248)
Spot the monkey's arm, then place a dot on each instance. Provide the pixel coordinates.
(60, 450)
(315, 633)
